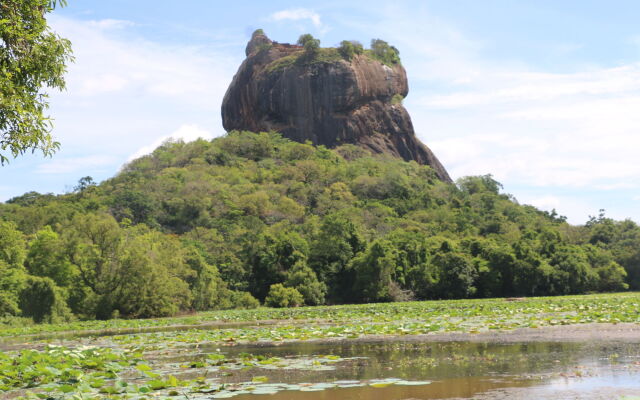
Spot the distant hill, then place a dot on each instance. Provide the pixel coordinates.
(218, 224)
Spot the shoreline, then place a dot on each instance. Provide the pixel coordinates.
(628, 333)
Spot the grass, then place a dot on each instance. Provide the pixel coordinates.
(397, 99)
(324, 55)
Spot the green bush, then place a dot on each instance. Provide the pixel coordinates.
(311, 45)
(383, 52)
(397, 99)
(280, 296)
(12, 281)
(349, 48)
(304, 280)
(43, 301)
(244, 300)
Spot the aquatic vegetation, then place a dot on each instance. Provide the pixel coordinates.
(65, 373)
(206, 355)
(382, 318)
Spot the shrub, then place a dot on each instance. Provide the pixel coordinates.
(244, 300)
(384, 53)
(311, 45)
(397, 99)
(304, 280)
(303, 39)
(42, 300)
(280, 296)
(349, 48)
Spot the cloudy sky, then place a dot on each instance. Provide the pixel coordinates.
(544, 95)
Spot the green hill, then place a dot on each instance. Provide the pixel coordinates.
(221, 223)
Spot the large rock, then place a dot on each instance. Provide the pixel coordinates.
(326, 100)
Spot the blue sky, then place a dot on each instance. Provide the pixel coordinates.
(544, 95)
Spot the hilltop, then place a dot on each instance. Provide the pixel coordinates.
(327, 96)
(221, 223)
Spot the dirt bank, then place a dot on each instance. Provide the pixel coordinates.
(626, 332)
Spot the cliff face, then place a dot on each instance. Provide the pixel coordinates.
(326, 100)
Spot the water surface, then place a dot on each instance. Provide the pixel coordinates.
(463, 370)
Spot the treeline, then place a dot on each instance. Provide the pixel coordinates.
(252, 218)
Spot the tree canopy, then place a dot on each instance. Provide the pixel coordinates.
(252, 217)
(32, 58)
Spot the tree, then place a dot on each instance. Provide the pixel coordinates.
(84, 183)
(12, 245)
(95, 246)
(156, 275)
(310, 44)
(385, 53)
(457, 274)
(349, 48)
(280, 296)
(303, 39)
(12, 273)
(572, 272)
(31, 57)
(43, 301)
(274, 256)
(304, 280)
(374, 270)
(47, 258)
(207, 289)
(338, 241)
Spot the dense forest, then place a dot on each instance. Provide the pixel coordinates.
(254, 218)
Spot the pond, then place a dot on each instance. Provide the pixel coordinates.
(179, 363)
(466, 370)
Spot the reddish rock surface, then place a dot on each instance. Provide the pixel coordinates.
(329, 103)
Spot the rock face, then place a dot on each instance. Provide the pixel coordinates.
(328, 100)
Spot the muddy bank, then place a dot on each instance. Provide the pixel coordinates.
(579, 333)
(625, 332)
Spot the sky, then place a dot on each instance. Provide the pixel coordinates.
(543, 95)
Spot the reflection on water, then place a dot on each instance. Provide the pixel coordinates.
(456, 370)
(458, 387)
(463, 370)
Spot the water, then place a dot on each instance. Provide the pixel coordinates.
(454, 370)
(463, 370)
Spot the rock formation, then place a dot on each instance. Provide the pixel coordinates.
(324, 98)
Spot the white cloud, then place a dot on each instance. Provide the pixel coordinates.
(68, 165)
(297, 14)
(528, 126)
(577, 210)
(123, 91)
(103, 83)
(524, 86)
(616, 186)
(187, 133)
(107, 61)
(109, 23)
(547, 203)
(563, 133)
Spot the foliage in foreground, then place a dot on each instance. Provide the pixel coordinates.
(32, 57)
(214, 224)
